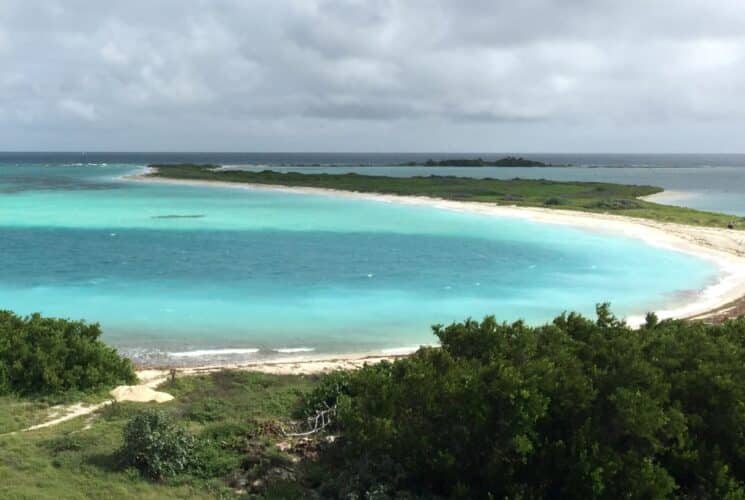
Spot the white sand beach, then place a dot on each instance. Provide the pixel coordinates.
(725, 248)
(670, 197)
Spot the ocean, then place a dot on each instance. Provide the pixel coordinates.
(191, 275)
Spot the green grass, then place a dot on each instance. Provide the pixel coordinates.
(238, 411)
(581, 196)
(18, 413)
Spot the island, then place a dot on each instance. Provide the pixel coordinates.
(596, 197)
(507, 161)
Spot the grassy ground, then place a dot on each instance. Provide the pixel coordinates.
(240, 412)
(583, 196)
(19, 413)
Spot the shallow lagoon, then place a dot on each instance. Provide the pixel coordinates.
(181, 269)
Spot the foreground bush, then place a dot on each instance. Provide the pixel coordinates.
(573, 409)
(157, 446)
(46, 355)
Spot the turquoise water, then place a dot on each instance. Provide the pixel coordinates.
(173, 271)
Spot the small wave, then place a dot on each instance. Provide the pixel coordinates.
(80, 164)
(141, 171)
(290, 350)
(211, 352)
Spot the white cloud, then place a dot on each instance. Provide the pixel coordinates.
(4, 42)
(79, 109)
(113, 54)
(279, 74)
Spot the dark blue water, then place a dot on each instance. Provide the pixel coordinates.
(379, 159)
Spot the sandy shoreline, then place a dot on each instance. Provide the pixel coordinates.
(670, 197)
(724, 248)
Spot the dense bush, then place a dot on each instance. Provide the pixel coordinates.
(555, 201)
(325, 394)
(157, 446)
(46, 355)
(573, 409)
(615, 204)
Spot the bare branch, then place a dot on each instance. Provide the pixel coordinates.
(316, 423)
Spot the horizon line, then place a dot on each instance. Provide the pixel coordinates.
(84, 152)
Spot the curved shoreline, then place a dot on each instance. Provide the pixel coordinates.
(725, 248)
(669, 196)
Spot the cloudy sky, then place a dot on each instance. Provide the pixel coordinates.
(373, 75)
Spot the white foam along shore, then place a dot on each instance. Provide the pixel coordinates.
(725, 248)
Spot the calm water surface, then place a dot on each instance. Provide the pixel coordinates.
(187, 274)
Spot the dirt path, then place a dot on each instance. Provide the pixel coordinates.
(141, 392)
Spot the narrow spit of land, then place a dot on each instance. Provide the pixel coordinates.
(594, 197)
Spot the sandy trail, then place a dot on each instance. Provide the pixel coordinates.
(141, 392)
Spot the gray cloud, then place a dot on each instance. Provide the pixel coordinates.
(535, 75)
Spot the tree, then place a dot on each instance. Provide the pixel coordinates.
(575, 409)
(41, 355)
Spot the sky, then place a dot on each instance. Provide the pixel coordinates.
(373, 75)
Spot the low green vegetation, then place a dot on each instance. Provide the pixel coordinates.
(508, 161)
(582, 196)
(157, 446)
(47, 356)
(573, 409)
(17, 413)
(215, 440)
(576, 408)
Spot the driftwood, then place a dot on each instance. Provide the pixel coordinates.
(316, 423)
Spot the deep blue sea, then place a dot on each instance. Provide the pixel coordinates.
(256, 273)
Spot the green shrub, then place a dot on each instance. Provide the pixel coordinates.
(615, 204)
(555, 201)
(577, 408)
(227, 432)
(208, 410)
(158, 447)
(41, 355)
(230, 435)
(66, 442)
(325, 394)
(212, 459)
